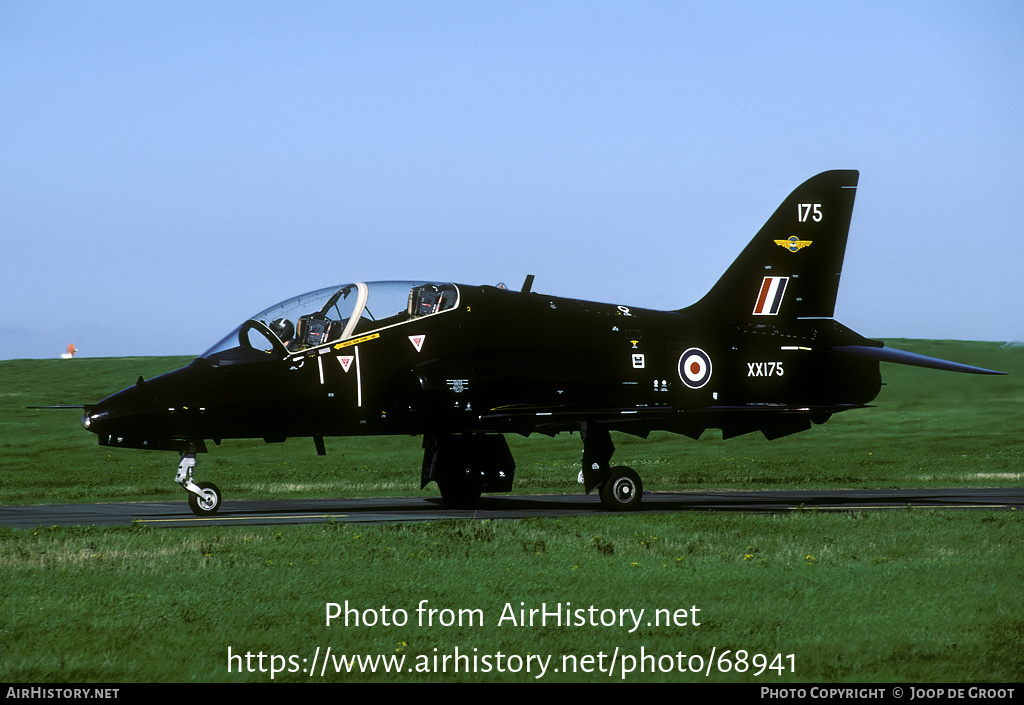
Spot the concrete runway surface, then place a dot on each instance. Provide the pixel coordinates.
(397, 509)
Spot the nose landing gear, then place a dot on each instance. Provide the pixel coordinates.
(203, 497)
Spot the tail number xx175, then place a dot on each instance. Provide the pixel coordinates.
(764, 369)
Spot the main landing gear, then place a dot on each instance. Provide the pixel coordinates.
(620, 488)
(465, 465)
(203, 497)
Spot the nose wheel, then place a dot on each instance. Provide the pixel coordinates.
(203, 497)
(207, 503)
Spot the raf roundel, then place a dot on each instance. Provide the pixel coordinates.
(694, 368)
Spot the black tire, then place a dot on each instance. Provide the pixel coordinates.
(622, 490)
(207, 505)
(460, 488)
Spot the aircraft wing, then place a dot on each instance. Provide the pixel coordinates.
(618, 412)
(773, 420)
(557, 416)
(513, 412)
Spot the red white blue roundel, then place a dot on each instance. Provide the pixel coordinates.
(694, 368)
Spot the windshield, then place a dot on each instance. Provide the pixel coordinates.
(328, 315)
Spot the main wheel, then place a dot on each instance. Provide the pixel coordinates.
(460, 489)
(209, 503)
(622, 490)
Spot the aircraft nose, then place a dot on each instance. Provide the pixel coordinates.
(149, 414)
(107, 416)
(130, 418)
(101, 418)
(141, 410)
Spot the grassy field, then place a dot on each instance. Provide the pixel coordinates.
(891, 596)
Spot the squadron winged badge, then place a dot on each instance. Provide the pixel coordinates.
(793, 244)
(463, 365)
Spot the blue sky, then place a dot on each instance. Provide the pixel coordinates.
(170, 168)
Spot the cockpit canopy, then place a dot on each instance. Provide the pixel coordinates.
(329, 315)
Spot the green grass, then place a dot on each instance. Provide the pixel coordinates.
(888, 596)
(908, 596)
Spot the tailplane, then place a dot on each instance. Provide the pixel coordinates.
(792, 266)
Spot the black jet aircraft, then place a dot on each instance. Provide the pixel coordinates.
(462, 365)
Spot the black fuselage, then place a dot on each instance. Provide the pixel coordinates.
(505, 361)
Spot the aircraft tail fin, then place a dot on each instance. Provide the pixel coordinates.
(792, 266)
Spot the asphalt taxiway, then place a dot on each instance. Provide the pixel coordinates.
(408, 509)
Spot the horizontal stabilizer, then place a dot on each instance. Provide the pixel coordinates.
(908, 358)
(786, 408)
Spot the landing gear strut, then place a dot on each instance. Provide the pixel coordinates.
(620, 488)
(203, 497)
